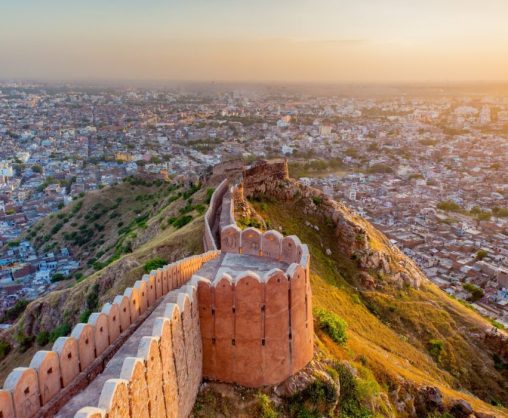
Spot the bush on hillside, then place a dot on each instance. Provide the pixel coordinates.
(318, 399)
(154, 264)
(476, 292)
(333, 325)
(180, 221)
(481, 254)
(15, 311)
(350, 399)
(449, 206)
(42, 338)
(5, 349)
(60, 331)
(436, 348)
(266, 409)
(209, 193)
(57, 277)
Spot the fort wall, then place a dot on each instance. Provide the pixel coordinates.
(252, 329)
(209, 235)
(162, 379)
(53, 377)
(257, 330)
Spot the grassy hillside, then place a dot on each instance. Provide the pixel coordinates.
(113, 232)
(393, 334)
(102, 225)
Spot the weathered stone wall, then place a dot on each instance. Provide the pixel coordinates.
(211, 216)
(256, 330)
(355, 237)
(54, 376)
(163, 379)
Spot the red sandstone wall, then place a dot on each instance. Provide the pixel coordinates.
(211, 216)
(54, 376)
(256, 331)
(163, 380)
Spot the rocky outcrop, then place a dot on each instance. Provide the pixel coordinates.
(498, 343)
(356, 238)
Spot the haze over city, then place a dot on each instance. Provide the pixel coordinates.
(226, 40)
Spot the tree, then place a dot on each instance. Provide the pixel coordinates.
(476, 292)
(449, 206)
(481, 254)
(37, 168)
(57, 277)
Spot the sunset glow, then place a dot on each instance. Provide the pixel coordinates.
(302, 40)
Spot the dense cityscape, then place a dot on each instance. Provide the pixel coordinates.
(429, 170)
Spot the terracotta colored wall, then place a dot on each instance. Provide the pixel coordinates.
(256, 330)
(26, 390)
(163, 379)
(211, 215)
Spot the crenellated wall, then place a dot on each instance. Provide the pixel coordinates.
(209, 235)
(55, 376)
(163, 378)
(257, 330)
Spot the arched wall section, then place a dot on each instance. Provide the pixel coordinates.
(163, 379)
(256, 330)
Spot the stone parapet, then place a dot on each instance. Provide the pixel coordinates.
(212, 215)
(53, 377)
(256, 330)
(163, 379)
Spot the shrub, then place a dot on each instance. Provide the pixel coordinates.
(497, 324)
(42, 338)
(193, 189)
(92, 298)
(436, 348)
(476, 292)
(83, 317)
(209, 193)
(266, 409)
(60, 331)
(449, 206)
(57, 277)
(154, 264)
(13, 313)
(317, 200)
(182, 221)
(24, 341)
(317, 400)
(5, 349)
(481, 254)
(330, 323)
(350, 405)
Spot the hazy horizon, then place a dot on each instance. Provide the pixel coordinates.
(320, 41)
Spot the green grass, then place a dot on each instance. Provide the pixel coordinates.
(330, 323)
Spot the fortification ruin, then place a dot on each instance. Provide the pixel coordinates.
(239, 313)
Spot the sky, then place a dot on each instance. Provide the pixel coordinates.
(353, 41)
